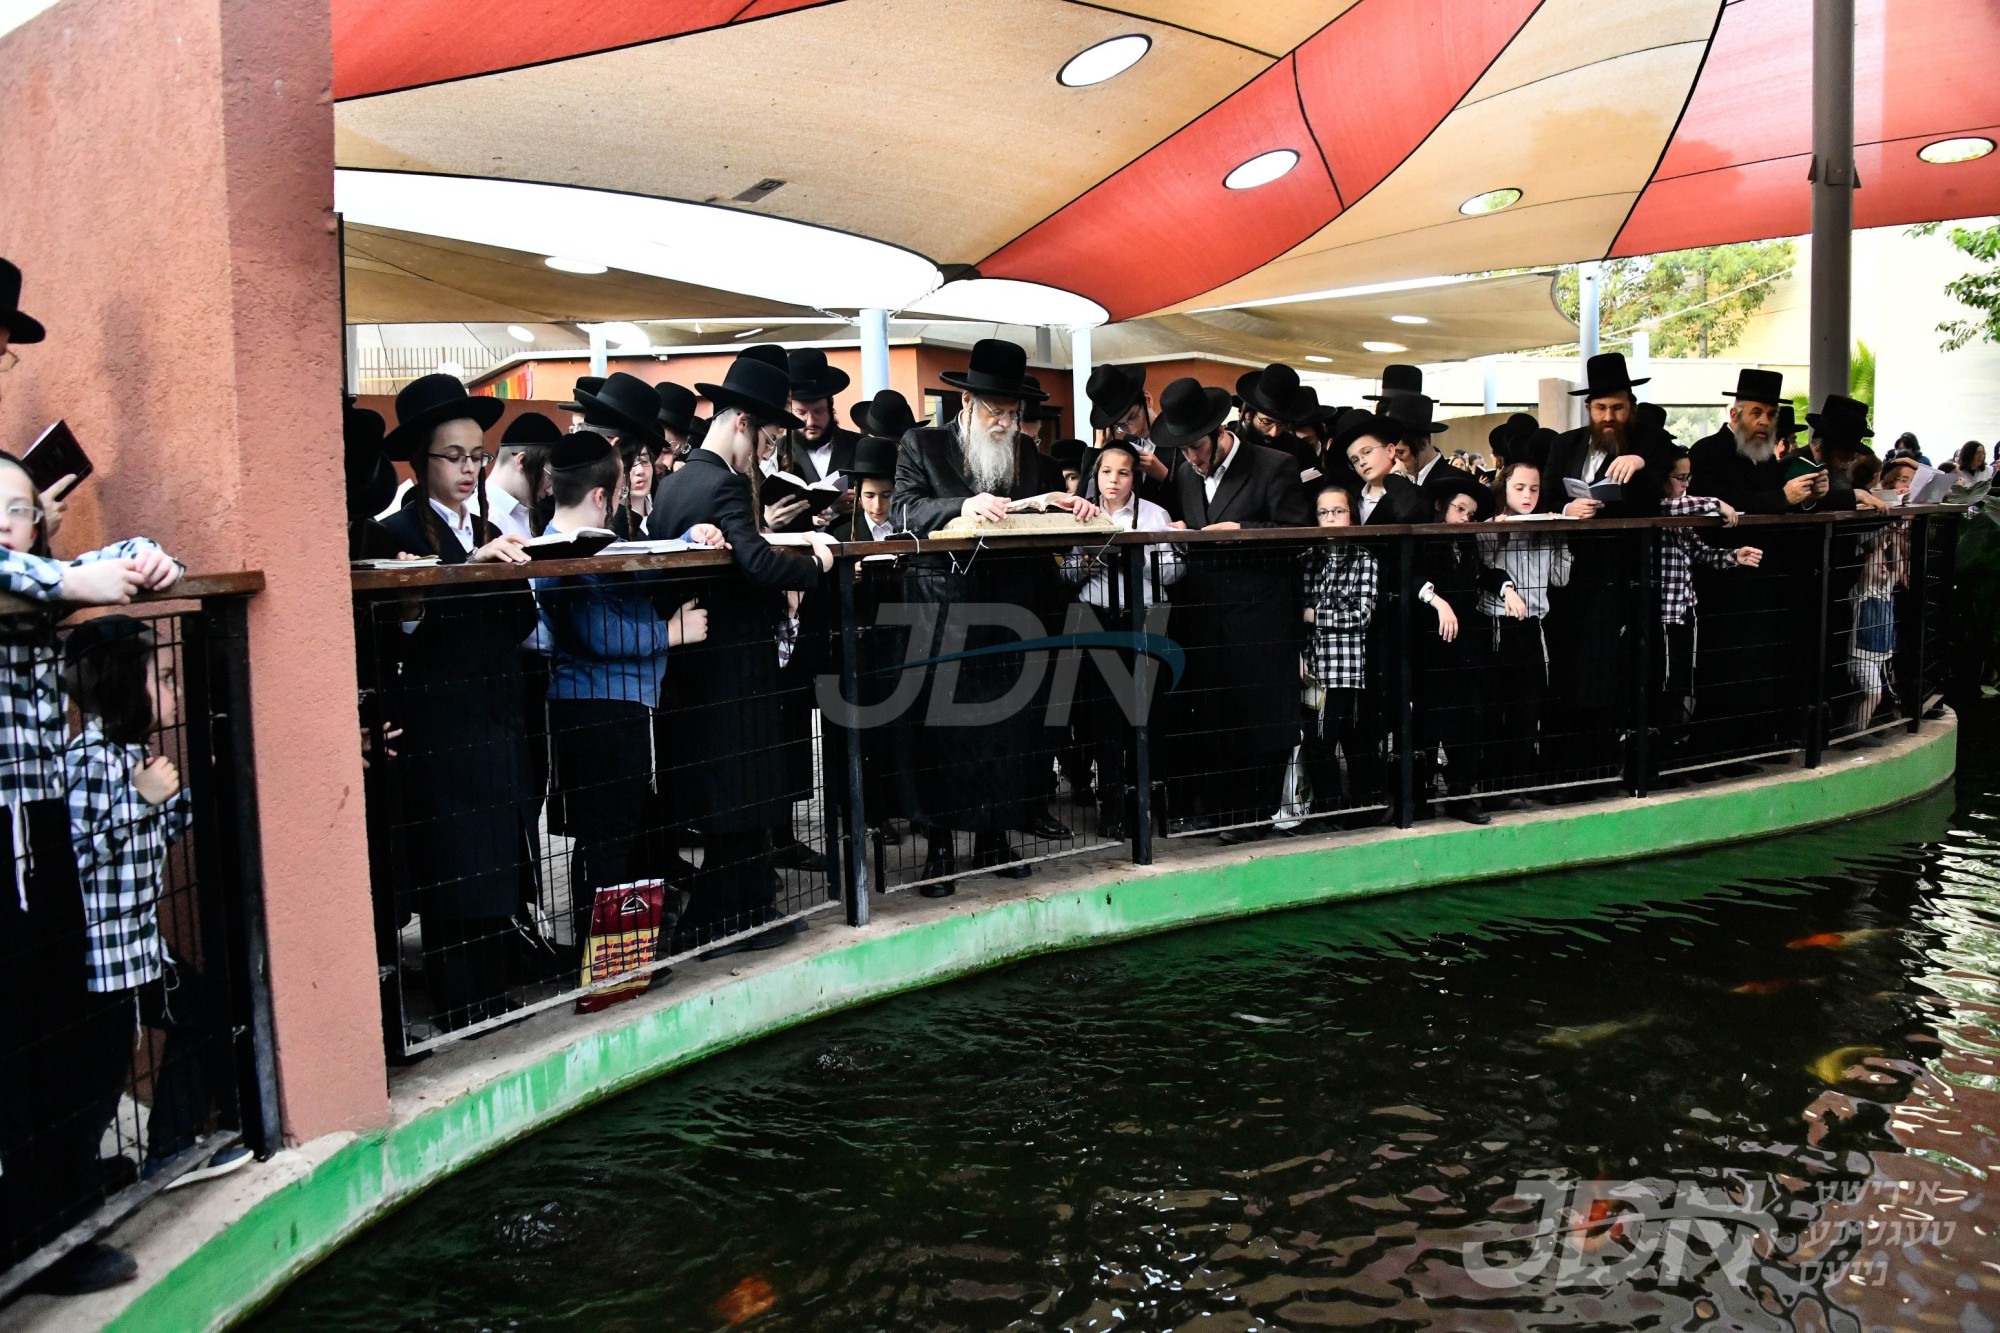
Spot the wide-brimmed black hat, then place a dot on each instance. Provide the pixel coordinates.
(99, 631)
(1276, 392)
(996, 369)
(531, 428)
(1840, 418)
(429, 401)
(1413, 413)
(676, 406)
(1517, 427)
(1189, 412)
(1359, 421)
(1788, 422)
(626, 404)
(1113, 391)
(887, 414)
(1445, 482)
(1037, 408)
(584, 384)
(770, 354)
(21, 327)
(1604, 375)
(1758, 386)
(873, 457)
(755, 386)
(1653, 417)
(1397, 379)
(813, 378)
(1068, 454)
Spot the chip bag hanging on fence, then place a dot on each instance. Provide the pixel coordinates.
(624, 936)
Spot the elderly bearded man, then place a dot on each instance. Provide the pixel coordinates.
(982, 778)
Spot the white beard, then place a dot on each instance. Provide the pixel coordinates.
(1757, 451)
(989, 458)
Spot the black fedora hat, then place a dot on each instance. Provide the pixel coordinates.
(584, 448)
(21, 327)
(626, 404)
(1653, 417)
(813, 378)
(996, 369)
(1037, 408)
(531, 428)
(755, 386)
(771, 354)
(1517, 427)
(873, 456)
(1758, 386)
(676, 406)
(1276, 392)
(429, 401)
(1788, 422)
(1189, 412)
(1068, 454)
(887, 415)
(1445, 483)
(584, 384)
(1359, 421)
(1397, 379)
(1113, 391)
(1412, 413)
(1840, 418)
(1604, 375)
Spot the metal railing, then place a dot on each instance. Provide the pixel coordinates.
(131, 1062)
(951, 708)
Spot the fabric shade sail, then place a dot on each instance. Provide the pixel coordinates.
(1361, 130)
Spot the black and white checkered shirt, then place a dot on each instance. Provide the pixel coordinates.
(1340, 589)
(1680, 551)
(121, 842)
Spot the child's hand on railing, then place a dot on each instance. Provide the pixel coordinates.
(103, 582)
(157, 780)
(158, 570)
(688, 625)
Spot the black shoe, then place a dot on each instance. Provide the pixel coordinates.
(1046, 825)
(1236, 837)
(93, 1266)
(886, 836)
(998, 853)
(1507, 804)
(943, 860)
(944, 890)
(1112, 827)
(775, 936)
(1471, 811)
(791, 854)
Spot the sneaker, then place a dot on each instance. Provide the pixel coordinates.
(93, 1266)
(224, 1162)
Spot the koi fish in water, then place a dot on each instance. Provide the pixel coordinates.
(1838, 939)
(1772, 987)
(1589, 1034)
(746, 1300)
(1833, 1066)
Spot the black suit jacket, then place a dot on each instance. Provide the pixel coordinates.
(1570, 454)
(704, 490)
(931, 485)
(1403, 501)
(1260, 490)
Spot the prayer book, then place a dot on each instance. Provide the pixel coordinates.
(578, 545)
(1602, 491)
(649, 546)
(1928, 487)
(784, 486)
(414, 562)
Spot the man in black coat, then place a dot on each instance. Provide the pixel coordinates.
(1236, 613)
(983, 778)
(730, 733)
(1121, 409)
(820, 449)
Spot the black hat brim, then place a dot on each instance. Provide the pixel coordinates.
(837, 382)
(1130, 390)
(648, 429)
(986, 388)
(400, 443)
(1837, 430)
(1598, 391)
(24, 328)
(723, 398)
(1753, 398)
(1165, 437)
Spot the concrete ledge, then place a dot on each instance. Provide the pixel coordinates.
(216, 1253)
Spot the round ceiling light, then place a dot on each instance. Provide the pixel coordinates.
(1262, 169)
(1011, 301)
(1106, 60)
(1373, 346)
(562, 264)
(1491, 202)
(1946, 151)
(1322, 360)
(520, 334)
(1408, 319)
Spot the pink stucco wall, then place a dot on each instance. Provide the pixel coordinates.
(168, 177)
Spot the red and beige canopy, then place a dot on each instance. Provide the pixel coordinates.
(939, 126)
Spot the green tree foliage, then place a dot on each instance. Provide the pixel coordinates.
(1978, 291)
(1694, 302)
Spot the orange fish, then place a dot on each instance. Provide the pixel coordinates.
(746, 1300)
(1837, 939)
(1763, 987)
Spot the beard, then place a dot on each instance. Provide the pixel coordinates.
(1753, 448)
(1607, 437)
(813, 440)
(989, 457)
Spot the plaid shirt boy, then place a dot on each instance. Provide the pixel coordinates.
(1341, 592)
(121, 842)
(1680, 552)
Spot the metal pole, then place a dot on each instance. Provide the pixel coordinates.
(1490, 387)
(597, 359)
(1587, 301)
(874, 352)
(1079, 374)
(1816, 720)
(1834, 181)
(1136, 558)
(1914, 692)
(1406, 711)
(858, 906)
(1649, 665)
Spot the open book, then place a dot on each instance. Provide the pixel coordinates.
(648, 546)
(1033, 504)
(1606, 489)
(1309, 475)
(818, 495)
(578, 545)
(414, 562)
(1928, 487)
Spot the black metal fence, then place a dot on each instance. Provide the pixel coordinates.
(139, 1036)
(576, 784)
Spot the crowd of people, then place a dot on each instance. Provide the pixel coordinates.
(648, 715)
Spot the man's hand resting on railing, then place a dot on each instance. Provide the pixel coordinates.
(707, 534)
(506, 549)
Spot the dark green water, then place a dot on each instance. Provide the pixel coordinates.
(1333, 1118)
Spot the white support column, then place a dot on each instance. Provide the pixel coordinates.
(597, 358)
(1834, 181)
(874, 352)
(1079, 375)
(353, 358)
(1587, 302)
(1490, 388)
(1642, 358)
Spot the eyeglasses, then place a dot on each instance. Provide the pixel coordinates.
(459, 458)
(1331, 513)
(22, 513)
(8, 360)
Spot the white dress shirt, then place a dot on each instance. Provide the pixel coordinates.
(506, 513)
(1163, 563)
(1214, 479)
(1369, 499)
(460, 525)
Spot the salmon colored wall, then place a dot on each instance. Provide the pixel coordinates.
(168, 181)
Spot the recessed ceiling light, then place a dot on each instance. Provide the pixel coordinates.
(1408, 319)
(564, 265)
(520, 334)
(1323, 360)
(1373, 346)
(751, 333)
(1262, 169)
(1106, 60)
(1946, 151)
(1490, 202)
